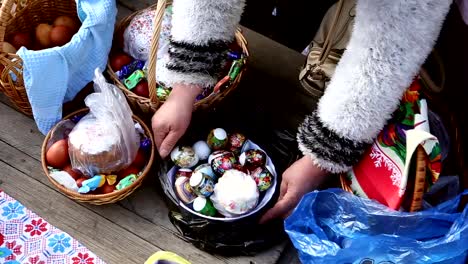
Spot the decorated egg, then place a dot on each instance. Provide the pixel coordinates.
(202, 149)
(206, 169)
(202, 184)
(184, 157)
(223, 162)
(183, 190)
(241, 168)
(263, 178)
(217, 139)
(216, 154)
(236, 142)
(253, 158)
(183, 172)
(74, 173)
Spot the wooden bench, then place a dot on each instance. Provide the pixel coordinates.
(132, 230)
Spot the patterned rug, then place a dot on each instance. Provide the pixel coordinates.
(27, 238)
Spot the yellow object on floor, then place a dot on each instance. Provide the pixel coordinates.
(165, 257)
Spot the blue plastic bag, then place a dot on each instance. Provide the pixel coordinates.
(334, 226)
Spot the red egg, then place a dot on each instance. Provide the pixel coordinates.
(57, 155)
(80, 181)
(21, 40)
(125, 172)
(142, 89)
(61, 35)
(74, 173)
(117, 61)
(140, 160)
(106, 188)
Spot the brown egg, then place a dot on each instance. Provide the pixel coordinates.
(106, 188)
(140, 160)
(69, 22)
(21, 40)
(74, 173)
(61, 35)
(57, 155)
(129, 170)
(80, 181)
(43, 35)
(117, 61)
(8, 48)
(142, 89)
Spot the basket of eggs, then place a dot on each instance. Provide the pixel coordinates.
(100, 154)
(141, 42)
(35, 25)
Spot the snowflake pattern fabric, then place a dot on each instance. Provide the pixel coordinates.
(27, 238)
(382, 173)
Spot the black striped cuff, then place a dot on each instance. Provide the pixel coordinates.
(329, 150)
(206, 59)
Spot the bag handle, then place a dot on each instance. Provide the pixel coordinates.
(327, 45)
(157, 23)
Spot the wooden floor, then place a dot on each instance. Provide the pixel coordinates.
(130, 231)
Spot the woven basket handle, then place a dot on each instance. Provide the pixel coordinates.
(6, 13)
(157, 22)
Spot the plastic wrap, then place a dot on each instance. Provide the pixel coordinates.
(105, 140)
(334, 226)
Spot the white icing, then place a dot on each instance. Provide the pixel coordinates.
(93, 137)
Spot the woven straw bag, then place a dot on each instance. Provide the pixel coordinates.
(24, 16)
(143, 106)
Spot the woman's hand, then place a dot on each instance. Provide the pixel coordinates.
(171, 121)
(301, 178)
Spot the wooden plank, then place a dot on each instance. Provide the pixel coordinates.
(162, 236)
(100, 235)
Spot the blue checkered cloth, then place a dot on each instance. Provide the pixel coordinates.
(54, 76)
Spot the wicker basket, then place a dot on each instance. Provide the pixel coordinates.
(100, 198)
(24, 16)
(143, 106)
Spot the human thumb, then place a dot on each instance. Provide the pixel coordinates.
(168, 143)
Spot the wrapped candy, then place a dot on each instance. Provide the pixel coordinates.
(184, 157)
(235, 194)
(126, 182)
(111, 179)
(64, 179)
(92, 184)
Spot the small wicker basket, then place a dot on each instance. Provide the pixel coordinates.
(143, 106)
(100, 199)
(24, 16)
